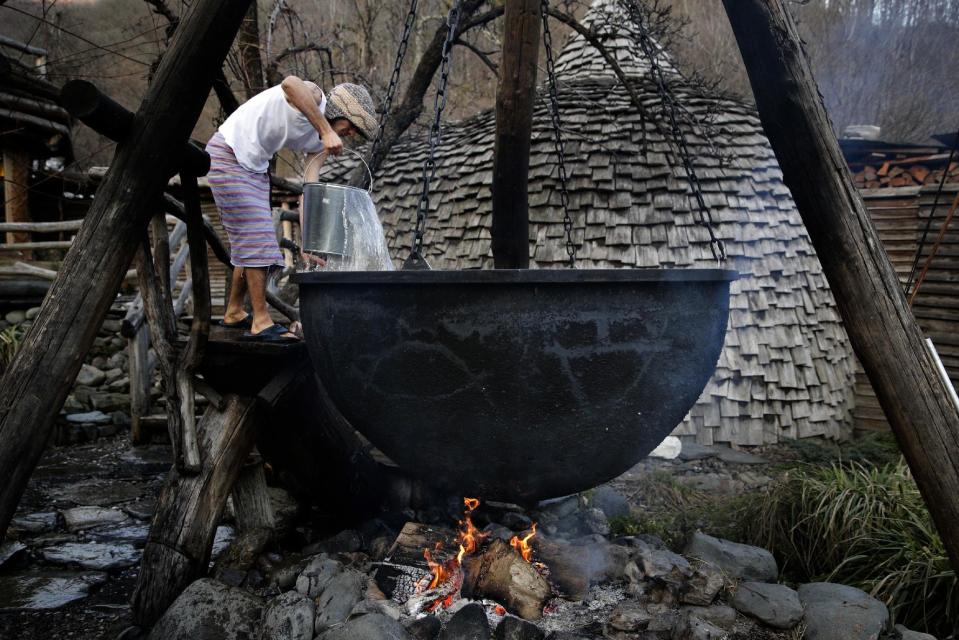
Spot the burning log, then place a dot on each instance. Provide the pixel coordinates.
(501, 574)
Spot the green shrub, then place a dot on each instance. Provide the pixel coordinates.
(10, 339)
(862, 526)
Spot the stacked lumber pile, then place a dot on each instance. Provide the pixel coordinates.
(909, 172)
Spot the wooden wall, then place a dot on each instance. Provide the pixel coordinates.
(900, 216)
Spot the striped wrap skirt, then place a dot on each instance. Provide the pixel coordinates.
(243, 198)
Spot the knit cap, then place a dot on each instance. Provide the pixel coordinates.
(353, 102)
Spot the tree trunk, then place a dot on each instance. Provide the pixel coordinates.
(39, 378)
(870, 299)
(514, 122)
(16, 175)
(248, 44)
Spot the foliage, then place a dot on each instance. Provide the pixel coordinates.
(10, 340)
(862, 526)
(874, 449)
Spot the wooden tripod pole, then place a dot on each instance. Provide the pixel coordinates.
(870, 299)
(39, 378)
(515, 96)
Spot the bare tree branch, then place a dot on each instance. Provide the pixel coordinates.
(482, 55)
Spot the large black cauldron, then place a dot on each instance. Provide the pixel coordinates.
(516, 385)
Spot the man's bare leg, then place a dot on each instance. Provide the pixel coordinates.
(234, 311)
(256, 281)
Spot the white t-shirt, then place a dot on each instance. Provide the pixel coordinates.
(266, 123)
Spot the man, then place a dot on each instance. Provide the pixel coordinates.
(294, 115)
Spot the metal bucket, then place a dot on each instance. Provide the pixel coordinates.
(326, 230)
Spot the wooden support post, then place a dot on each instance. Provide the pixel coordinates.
(189, 508)
(251, 499)
(38, 380)
(868, 293)
(16, 177)
(515, 96)
(141, 382)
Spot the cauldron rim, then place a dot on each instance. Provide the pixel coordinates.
(516, 276)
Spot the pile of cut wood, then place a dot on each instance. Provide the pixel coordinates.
(910, 172)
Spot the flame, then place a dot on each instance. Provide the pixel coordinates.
(468, 537)
(522, 544)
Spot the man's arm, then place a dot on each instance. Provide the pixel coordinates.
(299, 94)
(314, 163)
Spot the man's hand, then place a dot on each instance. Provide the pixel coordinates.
(332, 142)
(309, 259)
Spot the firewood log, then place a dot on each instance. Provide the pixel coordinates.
(502, 575)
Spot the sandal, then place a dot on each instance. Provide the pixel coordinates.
(245, 323)
(273, 333)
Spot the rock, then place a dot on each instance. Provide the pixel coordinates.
(609, 501)
(90, 417)
(90, 376)
(373, 626)
(692, 628)
(596, 522)
(142, 509)
(739, 561)
(720, 615)
(122, 384)
(516, 521)
(513, 628)
(494, 531)
(221, 540)
(135, 534)
(345, 541)
(630, 617)
(31, 313)
(665, 566)
(703, 587)
(208, 609)
(288, 617)
(469, 623)
(838, 612)
(426, 628)
(338, 599)
(93, 555)
(36, 522)
(566, 635)
(111, 325)
(906, 634)
(120, 418)
(87, 517)
(668, 449)
(114, 374)
(72, 405)
(108, 401)
(10, 551)
(317, 575)
(773, 604)
(48, 590)
(15, 317)
(559, 507)
(735, 456)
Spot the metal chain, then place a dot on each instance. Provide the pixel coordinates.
(671, 109)
(558, 137)
(394, 79)
(429, 165)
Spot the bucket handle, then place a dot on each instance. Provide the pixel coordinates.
(357, 154)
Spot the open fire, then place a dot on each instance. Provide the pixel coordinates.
(446, 577)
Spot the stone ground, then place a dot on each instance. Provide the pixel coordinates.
(104, 492)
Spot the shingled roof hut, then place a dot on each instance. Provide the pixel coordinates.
(787, 370)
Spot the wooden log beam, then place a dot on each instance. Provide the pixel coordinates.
(515, 96)
(189, 508)
(868, 294)
(107, 117)
(37, 381)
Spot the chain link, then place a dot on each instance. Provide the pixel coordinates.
(670, 109)
(394, 79)
(439, 104)
(558, 137)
